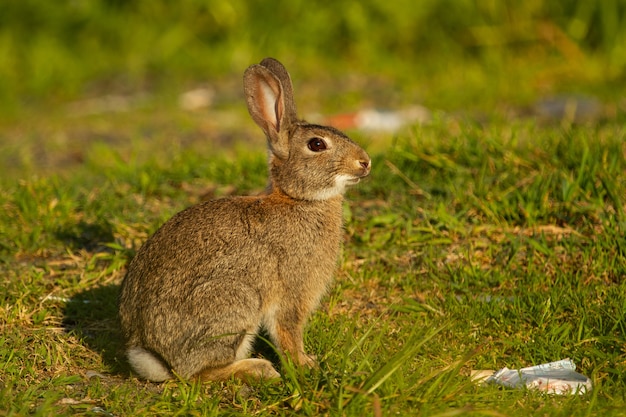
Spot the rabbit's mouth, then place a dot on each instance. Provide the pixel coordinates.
(358, 177)
(341, 181)
(355, 179)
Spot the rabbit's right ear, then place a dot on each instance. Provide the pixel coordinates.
(270, 103)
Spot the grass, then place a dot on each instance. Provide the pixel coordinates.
(485, 238)
(446, 54)
(471, 247)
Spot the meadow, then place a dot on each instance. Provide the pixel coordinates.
(491, 235)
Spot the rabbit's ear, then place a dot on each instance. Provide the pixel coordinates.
(265, 96)
(285, 80)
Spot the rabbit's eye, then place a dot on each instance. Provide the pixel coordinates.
(316, 145)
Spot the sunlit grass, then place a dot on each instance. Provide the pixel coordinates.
(484, 238)
(470, 247)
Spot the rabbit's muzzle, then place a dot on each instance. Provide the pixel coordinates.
(363, 170)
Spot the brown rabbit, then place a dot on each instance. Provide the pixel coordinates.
(202, 286)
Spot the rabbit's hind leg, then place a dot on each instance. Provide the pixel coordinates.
(244, 369)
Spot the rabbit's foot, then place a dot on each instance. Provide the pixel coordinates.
(310, 361)
(245, 369)
(255, 369)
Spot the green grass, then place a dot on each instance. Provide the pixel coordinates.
(448, 54)
(483, 239)
(470, 247)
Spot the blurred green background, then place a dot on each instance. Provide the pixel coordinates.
(449, 54)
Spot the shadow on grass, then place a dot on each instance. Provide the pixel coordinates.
(92, 313)
(83, 235)
(92, 316)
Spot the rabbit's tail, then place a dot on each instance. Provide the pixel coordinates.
(147, 365)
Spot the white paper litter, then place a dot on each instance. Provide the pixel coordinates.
(558, 377)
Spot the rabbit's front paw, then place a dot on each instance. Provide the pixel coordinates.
(307, 360)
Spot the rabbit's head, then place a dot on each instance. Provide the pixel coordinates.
(307, 161)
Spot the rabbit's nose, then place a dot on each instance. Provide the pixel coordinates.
(366, 164)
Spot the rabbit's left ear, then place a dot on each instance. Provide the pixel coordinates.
(271, 106)
(281, 73)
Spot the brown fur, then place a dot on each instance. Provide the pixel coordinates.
(201, 287)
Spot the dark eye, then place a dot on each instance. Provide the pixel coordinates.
(316, 144)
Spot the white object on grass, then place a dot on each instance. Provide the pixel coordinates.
(558, 377)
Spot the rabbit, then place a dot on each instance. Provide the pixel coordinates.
(199, 290)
